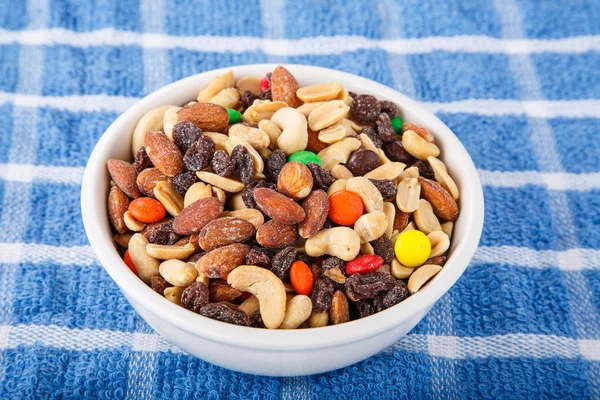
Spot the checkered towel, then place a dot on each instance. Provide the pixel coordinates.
(517, 80)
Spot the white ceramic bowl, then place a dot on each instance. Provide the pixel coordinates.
(273, 352)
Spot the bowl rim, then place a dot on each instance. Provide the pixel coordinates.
(472, 213)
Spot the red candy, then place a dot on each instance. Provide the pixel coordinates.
(364, 264)
(264, 84)
(129, 262)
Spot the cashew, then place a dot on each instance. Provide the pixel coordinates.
(407, 196)
(170, 252)
(440, 173)
(370, 195)
(251, 215)
(294, 130)
(297, 310)
(318, 320)
(257, 138)
(338, 152)
(173, 294)
(267, 287)
(425, 219)
(421, 276)
(216, 85)
(178, 273)
(236, 202)
(371, 226)
(341, 172)
(341, 242)
(251, 83)
(412, 172)
(197, 191)
(233, 141)
(153, 120)
(262, 109)
(419, 147)
(447, 228)
(227, 98)
(439, 243)
(400, 271)
(146, 266)
(131, 223)
(218, 139)
(386, 171)
(227, 184)
(336, 186)
(390, 214)
(122, 239)
(366, 248)
(169, 120)
(272, 130)
(319, 92)
(169, 198)
(218, 193)
(327, 114)
(332, 134)
(250, 306)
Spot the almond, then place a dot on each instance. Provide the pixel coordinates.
(278, 206)
(316, 207)
(209, 117)
(419, 130)
(195, 216)
(118, 204)
(339, 312)
(163, 153)
(218, 263)
(444, 206)
(295, 180)
(314, 143)
(401, 220)
(274, 234)
(222, 291)
(223, 231)
(147, 180)
(124, 176)
(284, 87)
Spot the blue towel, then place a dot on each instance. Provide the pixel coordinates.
(517, 80)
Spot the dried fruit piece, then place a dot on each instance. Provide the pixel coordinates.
(295, 180)
(222, 163)
(223, 231)
(186, 134)
(195, 296)
(284, 87)
(389, 108)
(222, 313)
(118, 204)
(444, 206)
(161, 232)
(392, 297)
(371, 134)
(244, 164)
(316, 207)
(199, 155)
(222, 291)
(365, 108)
(367, 286)
(220, 262)
(334, 262)
(384, 248)
(384, 129)
(194, 217)
(278, 206)
(165, 155)
(386, 187)
(275, 164)
(282, 262)
(247, 99)
(159, 284)
(141, 160)
(425, 169)
(339, 311)
(182, 182)
(274, 234)
(258, 256)
(321, 296)
(322, 179)
(207, 116)
(124, 176)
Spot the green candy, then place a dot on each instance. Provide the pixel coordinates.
(305, 157)
(234, 116)
(396, 124)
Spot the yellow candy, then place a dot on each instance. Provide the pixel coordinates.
(412, 248)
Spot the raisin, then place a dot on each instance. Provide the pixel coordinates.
(371, 134)
(334, 262)
(386, 187)
(391, 297)
(182, 182)
(256, 320)
(222, 313)
(362, 308)
(384, 129)
(199, 154)
(222, 163)
(316, 270)
(195, 296)
(186, 134)
(305, 258)
(282, 262)
(367, 286)
(194, 259)
(321, 295)
(396, 152)
(266, 95)
(244, 165)
(161, 233)
(274, 164)
(365, 109)
(322, 179)
(159, 284)
(142, 161)
(256, 256)
(389, 108)
(248, 192)
(384, 248)
(425, 169)
(247, 99)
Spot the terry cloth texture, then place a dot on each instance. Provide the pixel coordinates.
(519, 83)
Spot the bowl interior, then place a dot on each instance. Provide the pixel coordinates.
(116, 143)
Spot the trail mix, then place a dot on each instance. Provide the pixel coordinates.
(272, 205)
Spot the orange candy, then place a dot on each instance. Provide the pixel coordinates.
(345, 207)
(129, 262)
(147, 210)
(301, 277)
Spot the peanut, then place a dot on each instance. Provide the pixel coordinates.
(178, 273)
